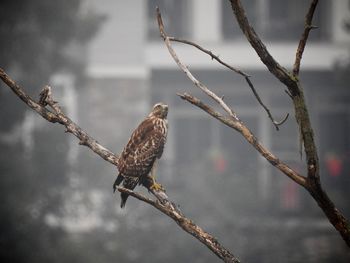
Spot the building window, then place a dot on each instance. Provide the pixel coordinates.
(174, 15)
(192, 137)
(276, 20)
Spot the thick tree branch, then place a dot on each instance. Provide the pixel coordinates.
(295, 91)
(333, 214)
(304, 37)
(187, 225)
(294, 88)
(273, 66)
(163, 204)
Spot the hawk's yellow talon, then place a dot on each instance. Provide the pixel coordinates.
(156, 187)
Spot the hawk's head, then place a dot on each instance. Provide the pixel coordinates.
(160, 110)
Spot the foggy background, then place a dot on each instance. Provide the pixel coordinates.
(107, 66)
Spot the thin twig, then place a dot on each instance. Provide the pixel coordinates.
(304, 37)
(210, 53)
(275, 123)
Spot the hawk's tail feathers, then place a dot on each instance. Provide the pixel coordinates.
(128, 183)
(124, 197)
(117, 182)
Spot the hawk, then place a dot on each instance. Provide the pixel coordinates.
(143, 149)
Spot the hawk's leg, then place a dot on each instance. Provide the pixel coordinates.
(155, 186)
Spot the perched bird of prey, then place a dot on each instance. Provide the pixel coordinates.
(145, 146)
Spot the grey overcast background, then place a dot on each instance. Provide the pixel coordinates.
(108, 66)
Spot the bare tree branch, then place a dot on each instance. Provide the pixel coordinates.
(292, 83)
(184, 68)
(187, 225)
(210, 53)
(238, 71)
(58, 117)
(304, 37)
(250, 137)
(234, 122)
(163, 204)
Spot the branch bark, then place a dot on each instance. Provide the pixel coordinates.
(163, 203)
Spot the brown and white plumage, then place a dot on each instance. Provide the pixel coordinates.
(145, 146)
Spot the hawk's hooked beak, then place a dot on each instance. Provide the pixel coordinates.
(165, 110)
(160, 110)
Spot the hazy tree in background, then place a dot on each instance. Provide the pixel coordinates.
(36, 38)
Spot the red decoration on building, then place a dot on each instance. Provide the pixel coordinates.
(334, 165)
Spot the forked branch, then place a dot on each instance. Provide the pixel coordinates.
(233, 122)
(273, 66)
(183, 67)
(215, 57)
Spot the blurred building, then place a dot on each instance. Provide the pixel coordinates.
(209, 169)
(130, 69)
